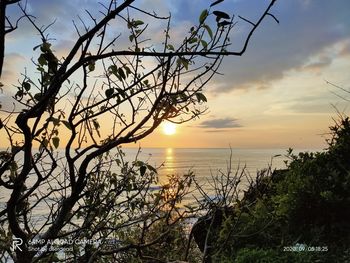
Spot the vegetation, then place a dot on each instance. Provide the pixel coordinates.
(64, 174)
(295, 215)
(80, 176)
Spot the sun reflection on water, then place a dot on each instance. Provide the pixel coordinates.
(169, 167)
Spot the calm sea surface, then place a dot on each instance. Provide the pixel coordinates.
(206, 161)
(203, 162)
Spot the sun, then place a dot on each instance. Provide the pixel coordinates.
(169, 128)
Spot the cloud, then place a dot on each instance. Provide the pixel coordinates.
(218, 130)
(304, 33)
(10, 72)
(318, 65)
(308, 105)
(222, 123)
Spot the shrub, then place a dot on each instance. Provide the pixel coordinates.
(306, 203)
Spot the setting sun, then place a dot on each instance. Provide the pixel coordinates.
(169, 128)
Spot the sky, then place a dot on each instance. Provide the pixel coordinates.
(275, 96)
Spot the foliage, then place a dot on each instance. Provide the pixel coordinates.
(170, 247)
(303, 205)
(64, 174)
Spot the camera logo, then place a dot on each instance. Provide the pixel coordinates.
(16, 243)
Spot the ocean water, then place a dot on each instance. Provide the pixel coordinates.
(203, 162)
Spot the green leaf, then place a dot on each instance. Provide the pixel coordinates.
(210, 32)
(56, 141)
(131, 38)
(92, 66)
(183, 62)
(204, 44)
(109, 92)
(220, 14)
(203, 16)
(138, 23)
(170, 47)
(193, 40)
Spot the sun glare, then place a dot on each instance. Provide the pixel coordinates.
(169, 128)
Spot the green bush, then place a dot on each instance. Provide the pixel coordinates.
(308, 203)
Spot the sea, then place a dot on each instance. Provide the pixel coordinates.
(204, 163)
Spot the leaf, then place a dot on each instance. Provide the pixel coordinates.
(216, 2)
(97, 127)
(131, 38)
(138, 23)
(56, 141)
(210, 32)
(121, 73)
(203, 16)
(170, 47)
(37, 96)
(143, 170)
(44, 143)
(54, 120)
(127, 70)
(113, 69)
(109, 92)
(121, 92)
(220, 14)
(42, 60)
(45, 47)
(193, 40)
(92, 66)
(26, 86)
(224, 23)
(204, 44)
(201, 97)
(151, 168)
(67, 124)
(183, 62)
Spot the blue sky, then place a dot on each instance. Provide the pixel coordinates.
(275, 95)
